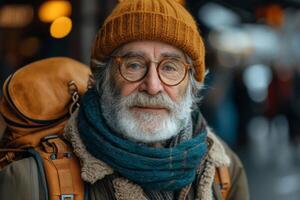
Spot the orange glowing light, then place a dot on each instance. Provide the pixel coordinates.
(61, 27)
(16, 16)
(51, 10)
(273, 14)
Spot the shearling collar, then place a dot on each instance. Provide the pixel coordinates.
(93, 169)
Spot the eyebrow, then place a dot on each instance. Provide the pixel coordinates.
(132, 53)
(171, 55)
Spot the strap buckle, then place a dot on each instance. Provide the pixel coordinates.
(49, 137)
(67, 197)
(56, 146)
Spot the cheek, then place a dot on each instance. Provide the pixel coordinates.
(128, 88)
(173, 92)
(125, 88)
(177, 92)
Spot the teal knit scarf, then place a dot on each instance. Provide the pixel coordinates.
(152, 168)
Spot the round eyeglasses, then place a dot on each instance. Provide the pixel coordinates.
(171, 71)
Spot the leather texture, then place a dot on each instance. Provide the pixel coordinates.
(62, 169)
(40, 90)
(36, 99)
(222, 178)
(36, 103)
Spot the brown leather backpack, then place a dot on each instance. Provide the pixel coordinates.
(37, 101)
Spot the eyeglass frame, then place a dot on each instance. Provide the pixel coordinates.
(148, 62)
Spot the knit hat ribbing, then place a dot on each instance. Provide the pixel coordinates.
(159, 20)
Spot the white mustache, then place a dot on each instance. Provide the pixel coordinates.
(143, 99)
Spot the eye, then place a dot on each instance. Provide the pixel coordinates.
(134, 66)
(169, 67)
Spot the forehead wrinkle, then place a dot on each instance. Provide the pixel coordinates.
(153, 52)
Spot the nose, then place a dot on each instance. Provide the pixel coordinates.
(151, 83)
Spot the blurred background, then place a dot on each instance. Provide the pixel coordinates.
(252, 93)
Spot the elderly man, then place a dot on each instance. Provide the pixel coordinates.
(139, 132)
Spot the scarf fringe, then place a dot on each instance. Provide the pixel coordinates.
(93, 169)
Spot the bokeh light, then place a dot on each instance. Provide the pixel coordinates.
(61, 27)
(51, 10)
(15, 16)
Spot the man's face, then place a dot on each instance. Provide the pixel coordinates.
(151, 84)
(147, 110)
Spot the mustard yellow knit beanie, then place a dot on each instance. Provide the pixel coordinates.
(160, 20)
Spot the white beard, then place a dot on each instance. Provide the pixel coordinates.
(144, 126)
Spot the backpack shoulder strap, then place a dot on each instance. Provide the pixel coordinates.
(62, 169)
(222, 179)
(58, 166)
